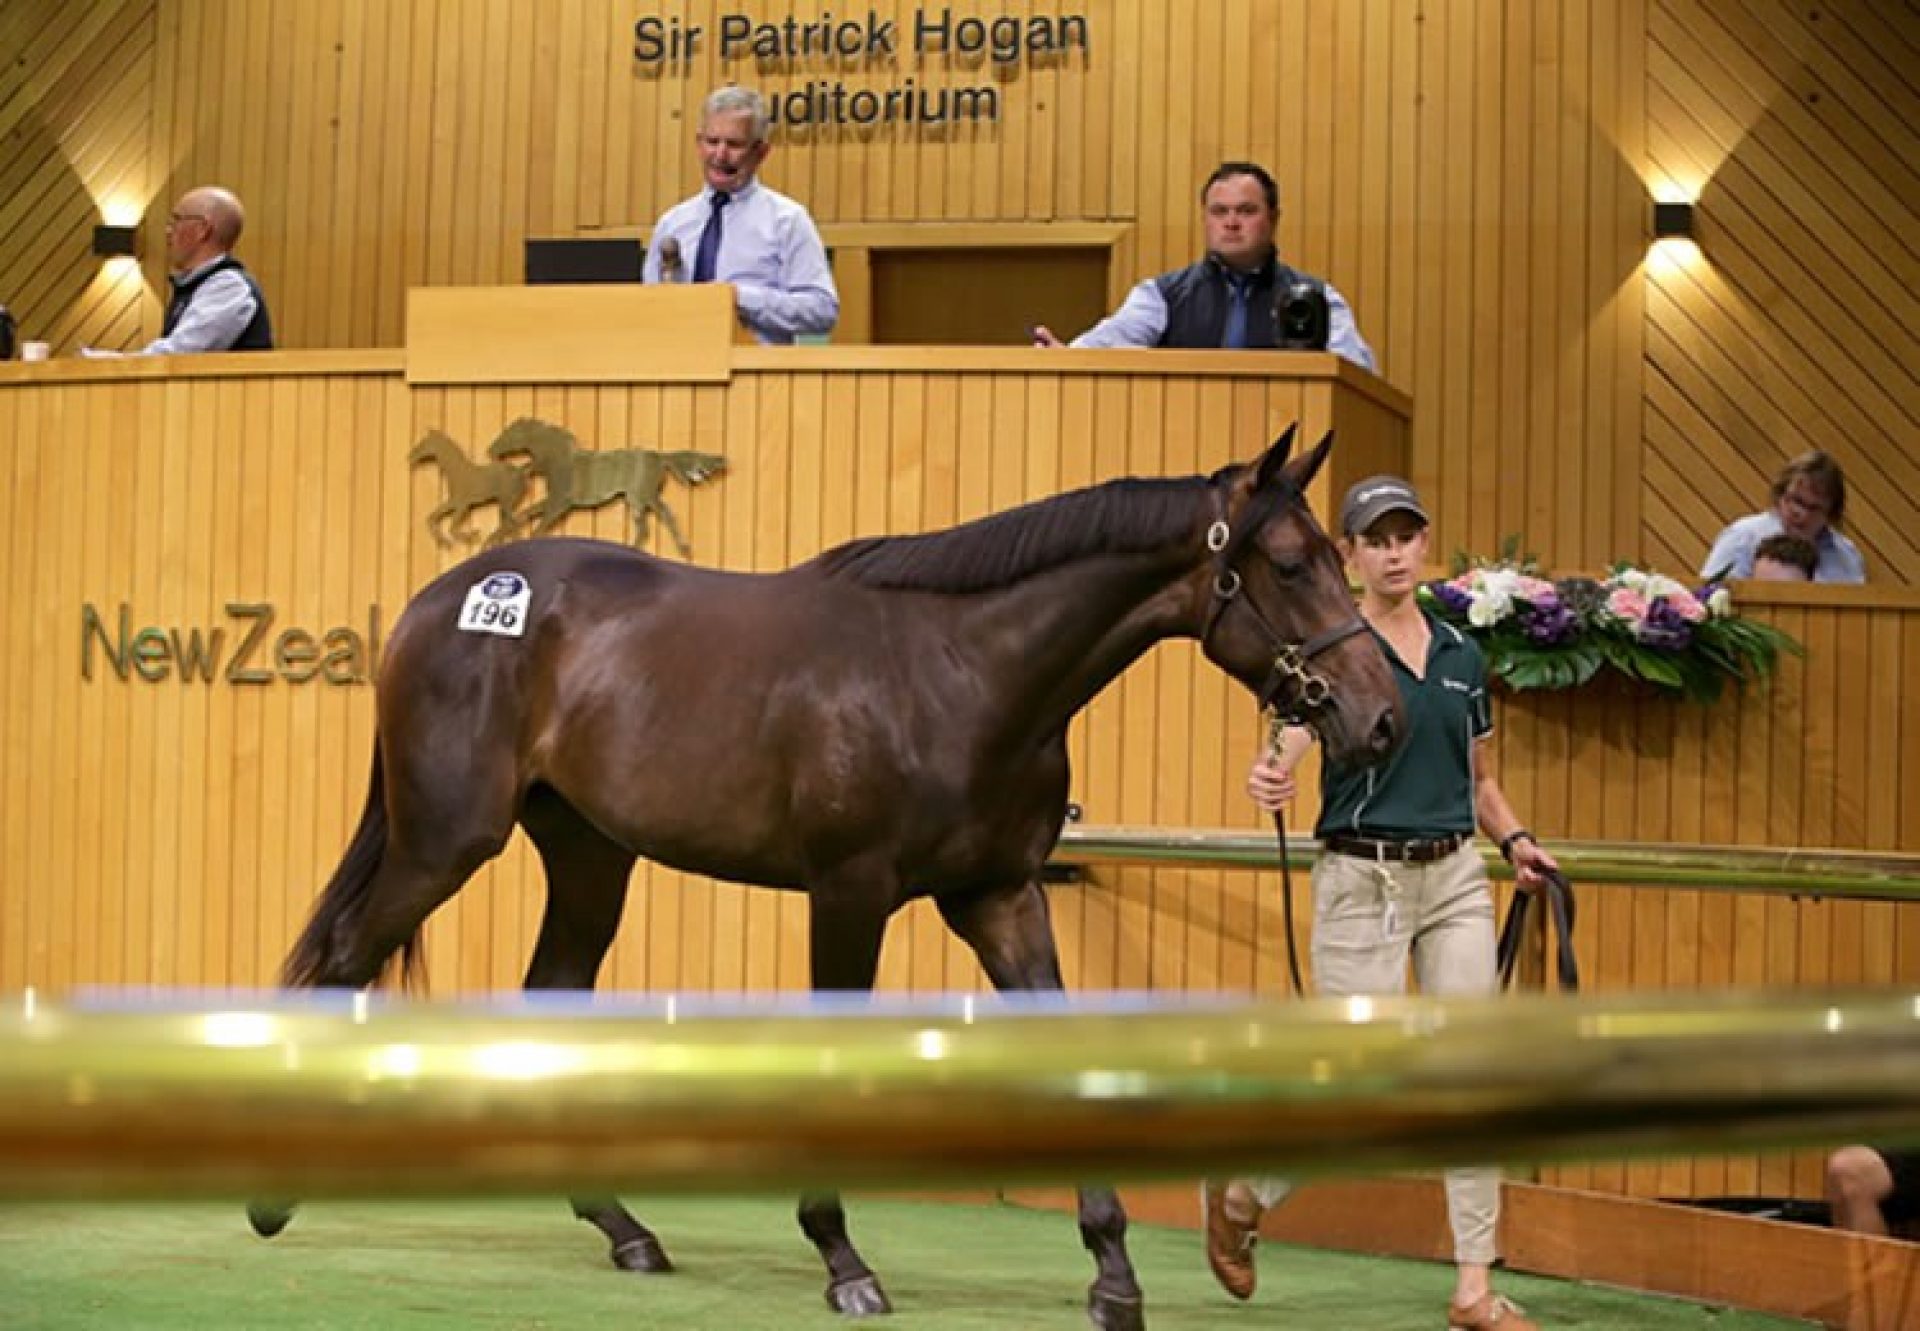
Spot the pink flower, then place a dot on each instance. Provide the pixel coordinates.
(1687, 606)
(1627, 604)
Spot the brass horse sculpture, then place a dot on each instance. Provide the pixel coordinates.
(470, 485)
(884, 722)
(587, 478)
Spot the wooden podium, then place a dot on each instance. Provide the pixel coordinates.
(589, 334)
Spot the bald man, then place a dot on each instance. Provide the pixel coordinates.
(216, 305)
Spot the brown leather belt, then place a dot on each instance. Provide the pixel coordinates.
(1402, 852)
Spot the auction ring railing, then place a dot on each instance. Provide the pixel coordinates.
(338, 1095)
(1862, 875)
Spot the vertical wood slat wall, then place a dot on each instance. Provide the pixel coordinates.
(174, 834)
(1474, 174)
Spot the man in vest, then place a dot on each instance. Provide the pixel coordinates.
(1227, 299)
(216, 304)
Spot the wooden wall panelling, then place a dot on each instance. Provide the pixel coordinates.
(75, 103)
(384, 148)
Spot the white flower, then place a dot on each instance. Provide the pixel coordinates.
(1488, 609)
(1659, 584)
(1720, 603)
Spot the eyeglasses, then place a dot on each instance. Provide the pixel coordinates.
(174, 219)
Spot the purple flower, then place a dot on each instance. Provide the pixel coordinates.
(1548, 622)
(1665, 628)
(1453, 598)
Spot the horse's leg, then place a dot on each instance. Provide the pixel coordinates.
(462, 524)
(448, 820)
(1010, 931)
(672, 525)
(436, 523)
(847, 921)
(586, 888)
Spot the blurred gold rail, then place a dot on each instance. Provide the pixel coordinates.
(285, 1097)
(1857, 875)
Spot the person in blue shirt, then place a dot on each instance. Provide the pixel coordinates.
(1225, 300)
(737, 230)
(1809, 500)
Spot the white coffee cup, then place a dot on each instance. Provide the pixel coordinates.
(35, 350)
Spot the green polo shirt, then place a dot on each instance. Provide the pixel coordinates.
(1426, 789)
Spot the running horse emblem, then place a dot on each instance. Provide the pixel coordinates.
(575, 478)
(470, 485)
(885, 722)
(587, 478)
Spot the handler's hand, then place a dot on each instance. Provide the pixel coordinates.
(1531, 865)
(1270, 784)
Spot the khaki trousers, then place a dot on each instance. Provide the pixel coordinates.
(1369, 918)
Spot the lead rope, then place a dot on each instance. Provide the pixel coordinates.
(1275, 724)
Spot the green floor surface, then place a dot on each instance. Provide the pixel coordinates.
(743, 1266)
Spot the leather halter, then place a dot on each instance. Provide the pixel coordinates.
(1310, 694)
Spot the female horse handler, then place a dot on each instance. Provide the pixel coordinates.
(1400, 874)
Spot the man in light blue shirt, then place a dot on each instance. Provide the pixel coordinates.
(1809, 501)
(738, 231)
(216, 305)
(1227, 299)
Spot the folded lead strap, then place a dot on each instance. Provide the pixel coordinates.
(1557, 892)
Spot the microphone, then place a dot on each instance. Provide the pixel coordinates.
(669, 259)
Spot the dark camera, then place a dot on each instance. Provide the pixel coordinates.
(1301, 318)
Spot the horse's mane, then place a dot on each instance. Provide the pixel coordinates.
(1121, 517)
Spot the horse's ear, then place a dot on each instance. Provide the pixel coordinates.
(1301, 471)
(1271, 461)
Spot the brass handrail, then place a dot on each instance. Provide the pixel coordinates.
(277, 1098)
(1815, 873)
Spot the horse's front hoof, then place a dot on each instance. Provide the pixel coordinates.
(269, 1218)
(1113, 1312)
(859, 1297)
(644, 1255)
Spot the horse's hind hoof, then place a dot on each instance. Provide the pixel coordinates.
(859, 1297)
(269, 1218)
(644, 1255)
(1111, 1312)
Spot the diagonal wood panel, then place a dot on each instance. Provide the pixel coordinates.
(1798, 324)
(76, 138)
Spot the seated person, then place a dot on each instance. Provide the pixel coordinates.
(1874, 1190)
(1784, 558)
(216, 304)
(737, 230)
(1227, 298)
(1809, 500)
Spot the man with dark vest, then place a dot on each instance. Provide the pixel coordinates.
(216, 304)
(1228, 298)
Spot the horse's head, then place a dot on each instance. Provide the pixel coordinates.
(535, 438)
(691, 468)
(1280, 617)
(433, 444)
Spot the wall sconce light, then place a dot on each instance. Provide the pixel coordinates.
(1673, 221)
(115, 242)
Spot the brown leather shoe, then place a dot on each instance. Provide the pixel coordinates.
(1493, 1312)
(1233, 1219)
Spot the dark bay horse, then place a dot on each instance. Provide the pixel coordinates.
(884, 722)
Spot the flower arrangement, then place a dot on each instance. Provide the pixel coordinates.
(1541, 633)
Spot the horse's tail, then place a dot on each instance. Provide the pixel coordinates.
(314, 958)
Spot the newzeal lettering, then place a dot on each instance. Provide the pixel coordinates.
(244, 649)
